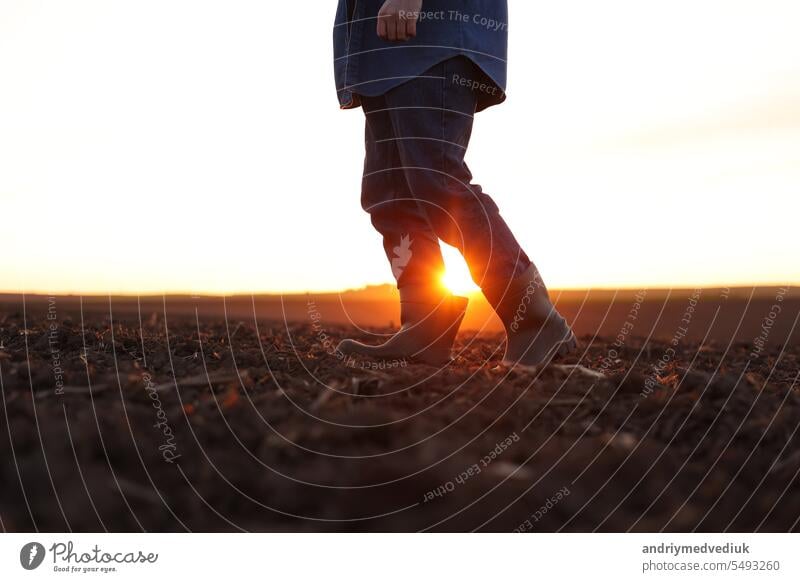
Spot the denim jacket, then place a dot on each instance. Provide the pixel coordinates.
(365, 64)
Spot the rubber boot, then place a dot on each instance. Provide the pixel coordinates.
(429, 324)
(535, 332)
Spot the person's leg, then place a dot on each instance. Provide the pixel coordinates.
(430, 316)
(432, 119)
(408, 239)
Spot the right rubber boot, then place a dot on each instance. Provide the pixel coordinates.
(536, 333)
(427, 333)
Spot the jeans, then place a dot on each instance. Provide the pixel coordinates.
(418, 189)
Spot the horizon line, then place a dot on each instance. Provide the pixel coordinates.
(246, 293)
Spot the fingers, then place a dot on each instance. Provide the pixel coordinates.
(393, 27)
(382, 30)
(406, 28)
(389, 28)
(411, 27)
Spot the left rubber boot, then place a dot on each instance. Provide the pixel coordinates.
(427, 333)
(536, 333)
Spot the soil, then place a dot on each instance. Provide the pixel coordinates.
(215, 426)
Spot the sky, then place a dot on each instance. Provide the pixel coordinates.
(197, 146)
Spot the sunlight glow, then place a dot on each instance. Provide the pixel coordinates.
(456, 277)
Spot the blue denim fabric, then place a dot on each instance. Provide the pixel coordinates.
(367, 66)
(418, 189)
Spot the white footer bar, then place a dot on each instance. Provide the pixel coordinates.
(401, 557)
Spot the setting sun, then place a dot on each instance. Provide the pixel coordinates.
(456, 277)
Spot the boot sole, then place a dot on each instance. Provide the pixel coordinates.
(438, 353)
(556, 353)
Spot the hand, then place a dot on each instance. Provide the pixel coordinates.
(397, 19)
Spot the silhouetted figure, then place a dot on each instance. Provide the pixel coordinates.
(420, 70)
